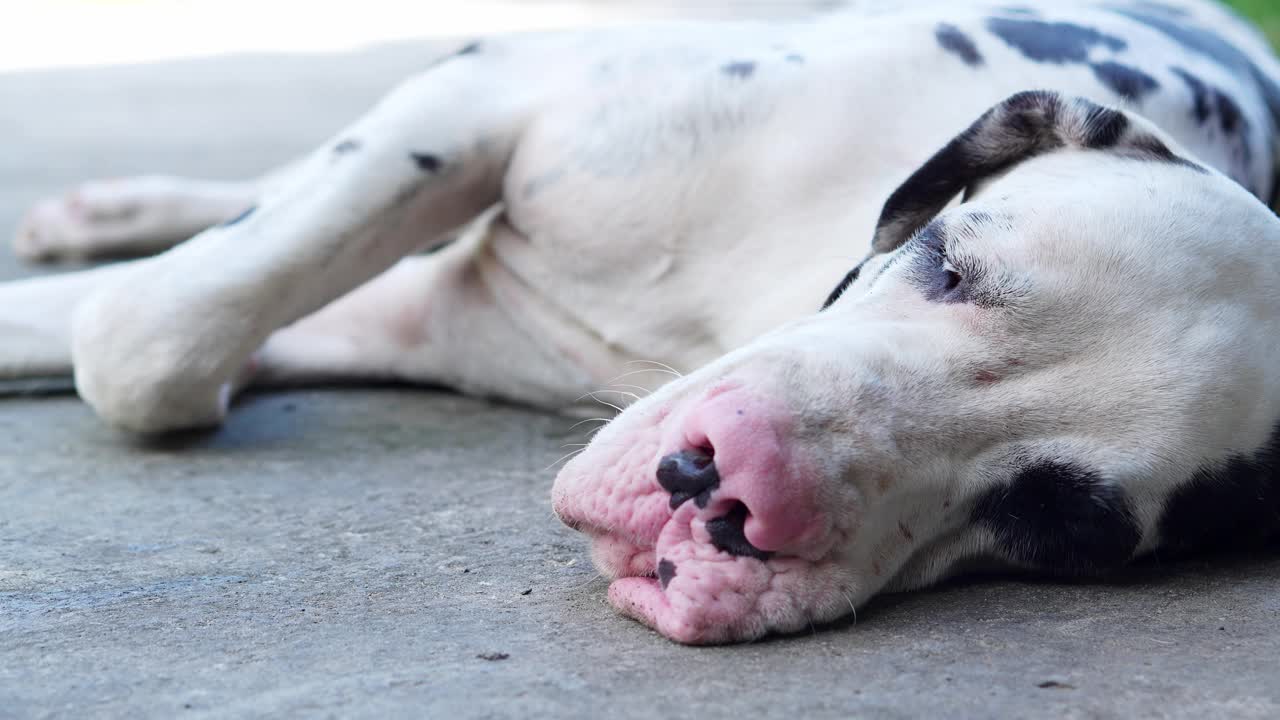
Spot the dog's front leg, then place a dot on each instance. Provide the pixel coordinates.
(163, 350)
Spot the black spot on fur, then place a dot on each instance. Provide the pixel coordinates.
(849, 279)
(1200, 95)
(727, 534)
(241, 217)
(1190, 36)
(1053, 42)
(1208, 101)
(1128, 82)
(1209, 44)
(471, 48)
(740, 69)
(346, 146)
(1060, 518)
(688, 474)
(426, 163)
(666, 572)
(1230, 118)
(1233, 504)
(954, 41)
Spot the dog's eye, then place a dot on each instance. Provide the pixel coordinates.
(951, 278)
(940, 278)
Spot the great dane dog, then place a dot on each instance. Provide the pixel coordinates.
(1057, 350)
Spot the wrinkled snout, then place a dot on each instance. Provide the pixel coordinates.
(708, 517)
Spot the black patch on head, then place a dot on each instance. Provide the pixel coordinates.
(1058, 517)
(1027, 125)
(849, 279)
(1149, 147)
(1233, 504)
(349, 145)
(1017, 129)
(1200, 95)
(739, 69)
(1053, 42)
(688, 474)
(954, 41)
(426, 163)
(727, 534)
(241, 217)
(1128, 82)
(666, 572)
(1104, 127)
(795, 58)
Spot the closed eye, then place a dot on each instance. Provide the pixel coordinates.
(952, 278)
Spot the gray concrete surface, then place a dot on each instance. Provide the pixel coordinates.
(360, 553)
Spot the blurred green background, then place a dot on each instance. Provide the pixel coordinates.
(1264, 12)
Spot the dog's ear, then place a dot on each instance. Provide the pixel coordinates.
(1024, 126)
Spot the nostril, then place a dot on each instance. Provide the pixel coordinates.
(728, 533)
(689, 474)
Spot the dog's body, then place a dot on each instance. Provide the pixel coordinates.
(674, 193)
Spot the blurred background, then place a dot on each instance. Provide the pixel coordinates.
(1264, 12)
(62, 33)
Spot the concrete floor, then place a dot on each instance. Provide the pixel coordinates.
(390, 552)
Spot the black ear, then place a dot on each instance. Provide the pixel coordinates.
(1024, 126)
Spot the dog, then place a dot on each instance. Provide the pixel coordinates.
(1052, 345)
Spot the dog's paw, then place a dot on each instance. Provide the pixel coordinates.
(76, 225)
(143, 367)
(128, 216)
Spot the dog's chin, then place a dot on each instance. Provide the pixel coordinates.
(692, 592)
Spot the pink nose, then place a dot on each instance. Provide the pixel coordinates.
(730, 452)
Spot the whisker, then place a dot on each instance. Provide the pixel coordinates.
(584, 422)
(590, 580)
(566, 457)
(572, 445)
(853, 609)
(621, 392)
(592, 395)
(644, 390)
(665, 366)
(638, 372)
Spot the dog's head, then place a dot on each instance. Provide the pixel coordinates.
(1023, 378)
